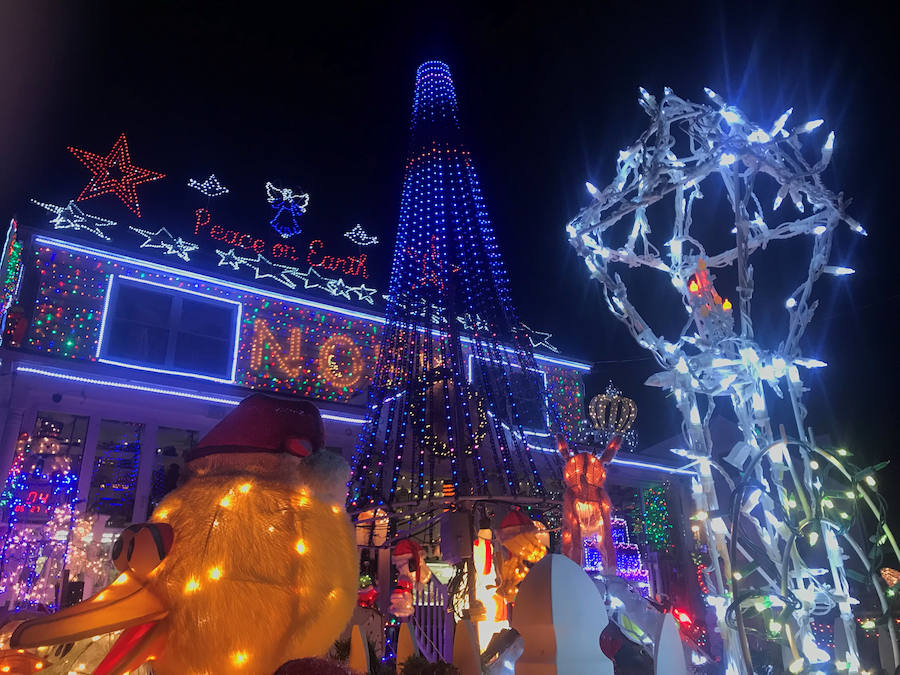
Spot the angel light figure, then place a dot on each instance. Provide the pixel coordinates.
(288, 207)
(776, 518)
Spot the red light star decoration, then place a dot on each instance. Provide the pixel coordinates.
(114, 173)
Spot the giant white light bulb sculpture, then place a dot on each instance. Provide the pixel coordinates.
(778, 519)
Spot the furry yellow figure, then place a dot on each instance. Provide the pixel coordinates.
(251, 563)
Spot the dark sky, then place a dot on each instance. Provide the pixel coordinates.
(257, 91)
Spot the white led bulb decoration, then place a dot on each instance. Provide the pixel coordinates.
(211, 187)
(360, 237)
(288, 275)
(71, 217)
(170, 245)
(717, 354)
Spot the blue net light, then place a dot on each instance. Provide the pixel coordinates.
(446, 404)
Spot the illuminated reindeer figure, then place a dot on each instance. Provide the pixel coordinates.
(587, 509)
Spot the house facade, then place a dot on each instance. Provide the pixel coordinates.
(114, 362)
(127, 362)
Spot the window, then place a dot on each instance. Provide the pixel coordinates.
(168, 463)
(528, 388)
(115, 473)
(155, 327)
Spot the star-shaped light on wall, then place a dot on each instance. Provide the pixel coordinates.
(71, 217)
(164, 240)
(312, 279)
(538, 339)
(364, 293)
(114, 173)
(264, 268)
(285, 274)
(229, 258)
(337, 287)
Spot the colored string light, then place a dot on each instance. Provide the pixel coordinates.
(67, 321)
(148, 267)
(629, 565)
(657, 520)
(11, 273)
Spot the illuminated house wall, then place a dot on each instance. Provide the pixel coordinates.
(124, 424)
(284, 344)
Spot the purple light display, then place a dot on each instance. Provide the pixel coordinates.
(629, 565)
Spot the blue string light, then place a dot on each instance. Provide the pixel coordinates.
(41, 489)
(428, 409)
(629, 565)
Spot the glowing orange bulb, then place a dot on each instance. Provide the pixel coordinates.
(726, 305)
(240, 658)
(244, 489)
(192, 585)
(226, 501)
(215, 573)
(301, 547)
(39, 665)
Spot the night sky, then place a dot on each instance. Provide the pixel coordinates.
(548, 94)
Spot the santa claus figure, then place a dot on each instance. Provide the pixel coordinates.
(409, 559)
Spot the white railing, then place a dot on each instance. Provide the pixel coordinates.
(432, 624)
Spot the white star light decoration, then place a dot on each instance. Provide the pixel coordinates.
(71, 217)
(539, 339)
(312, 279)
(164, 240)
(287, 275)
(229, 258)
(360, 237)
(337, 287)
(263, 268)
(211, 187)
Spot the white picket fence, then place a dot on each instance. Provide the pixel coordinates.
(432, 624)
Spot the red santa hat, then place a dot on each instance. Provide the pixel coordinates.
(514, 523)
(265, 424)
(406, 548)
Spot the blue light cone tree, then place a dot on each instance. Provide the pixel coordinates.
(456, 377)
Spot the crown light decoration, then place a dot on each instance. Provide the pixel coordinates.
(612, 416)
(792, 502)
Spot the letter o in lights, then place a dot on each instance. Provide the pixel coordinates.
(344, 375)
